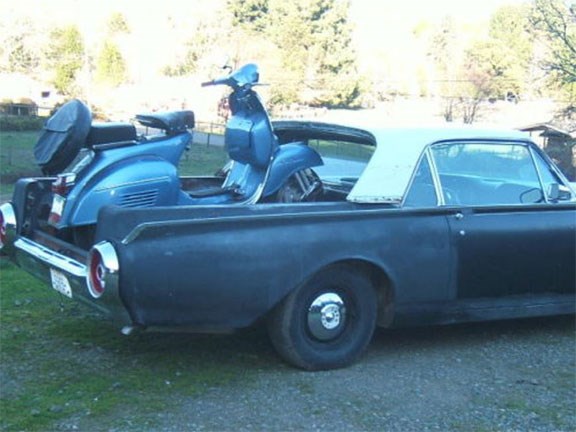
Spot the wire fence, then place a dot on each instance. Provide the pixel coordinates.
(209, 133)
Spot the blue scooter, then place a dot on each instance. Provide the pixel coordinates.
(112, 165)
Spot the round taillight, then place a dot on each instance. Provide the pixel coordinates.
(2, 230)
(102, 268)
(96, 275)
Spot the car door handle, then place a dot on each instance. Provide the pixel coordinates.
(459, 216)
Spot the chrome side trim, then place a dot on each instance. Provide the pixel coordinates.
(51, 258)
(361, 211)
(132, 183)
(138, 229)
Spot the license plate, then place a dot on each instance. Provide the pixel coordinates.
(56, 211)
(60, 283)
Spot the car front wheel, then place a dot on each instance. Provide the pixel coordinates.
(327, 322)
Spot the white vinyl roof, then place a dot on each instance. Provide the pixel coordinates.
(398, 150)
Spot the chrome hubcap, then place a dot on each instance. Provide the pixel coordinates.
(326, 316)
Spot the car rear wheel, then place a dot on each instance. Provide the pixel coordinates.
(327, 322)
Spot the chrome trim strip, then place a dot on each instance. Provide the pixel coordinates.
(51, 258)
(140, 228)
(132, 183)
(435, 177)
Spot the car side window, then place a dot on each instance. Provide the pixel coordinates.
(422, 192)
(487, 174)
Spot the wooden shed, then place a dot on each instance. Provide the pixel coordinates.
(559, 144)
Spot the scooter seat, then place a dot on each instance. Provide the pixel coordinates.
(104, 133)
(173, 122)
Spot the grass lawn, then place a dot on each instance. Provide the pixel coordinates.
(16, 155)
(202, 160)
(63, 367)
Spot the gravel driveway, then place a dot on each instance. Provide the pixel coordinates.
(503, 376)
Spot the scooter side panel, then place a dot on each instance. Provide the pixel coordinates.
(141, 175)
(144, 183)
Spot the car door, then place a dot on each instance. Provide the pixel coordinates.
(507, 237)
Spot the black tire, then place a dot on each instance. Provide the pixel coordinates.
(327, 322)
(63, 136)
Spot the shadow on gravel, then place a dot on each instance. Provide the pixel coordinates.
(471, 334)
(249, 348)
(252, 347)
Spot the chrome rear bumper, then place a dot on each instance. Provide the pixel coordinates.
(41, 261)
(50, 258)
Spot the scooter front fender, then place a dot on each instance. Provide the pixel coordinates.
(289, 159)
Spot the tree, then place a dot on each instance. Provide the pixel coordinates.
(65, 57)
(20, 51)
(194, 49)
(446, 53)
(117, 24)
(460, 84)
(20, 57)
(554, 22)
(110, 66)
(314, 40)
(488, 68)
(503, 59)
(251, 15)
(336, 72)
(514, 48)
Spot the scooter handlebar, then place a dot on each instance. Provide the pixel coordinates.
(218, 81)
(246, 76)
